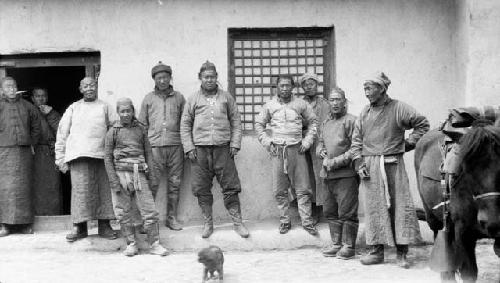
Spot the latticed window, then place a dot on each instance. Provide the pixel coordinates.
(258, 56)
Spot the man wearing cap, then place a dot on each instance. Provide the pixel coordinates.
(378, 145)
(161, 112)
(341, 181)
(80, 148)
(309, 82)
(287, 145)
(128, 159)
(20, 125)
(211, 136)
(47, 192)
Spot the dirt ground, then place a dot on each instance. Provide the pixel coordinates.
(304, 265)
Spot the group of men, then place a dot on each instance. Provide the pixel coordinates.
(318, 150)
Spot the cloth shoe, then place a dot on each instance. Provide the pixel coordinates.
(154, 240)
(104, 229)
(235, 213)
(402, 261)
(374, 256)
(79, 231)
(172, 223)
(157, 249)
(131, 249)
(208, 226)
(4, 230)
(311, 229)
(128, 233)
(285, 227)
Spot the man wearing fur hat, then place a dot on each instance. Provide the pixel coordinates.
(211, 136)
(378, 145)
(128, 159)
(161, 112)
(309, 83)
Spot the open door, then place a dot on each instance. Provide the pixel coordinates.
(60, 74)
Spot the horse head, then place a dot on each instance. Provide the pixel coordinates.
(480, 167)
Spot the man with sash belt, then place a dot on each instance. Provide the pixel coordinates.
(129, 160)
(378, 145)
(287, 145)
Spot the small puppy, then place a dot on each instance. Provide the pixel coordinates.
(213, 260)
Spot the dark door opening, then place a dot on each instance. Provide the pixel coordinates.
(62, 86)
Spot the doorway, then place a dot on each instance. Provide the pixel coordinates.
(60, 75)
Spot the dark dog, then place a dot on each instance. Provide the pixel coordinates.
(213, 260)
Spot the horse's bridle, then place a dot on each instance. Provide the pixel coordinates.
(487, 195)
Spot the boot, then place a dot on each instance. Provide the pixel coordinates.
(239, 227)
(79, 231)
(374, 256)
(155, 247)
(104, 229)
(4, 230)
(336, 236)
(208, 226)
(128, 232)
(349, 234)
(401, 252)
(171, 222)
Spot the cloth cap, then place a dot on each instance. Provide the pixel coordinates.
(124, 101)
(160, 67)
(308, 76)
(207, 66)
(379, 78)
(337, 90)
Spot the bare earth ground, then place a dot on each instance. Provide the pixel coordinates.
(304, 265)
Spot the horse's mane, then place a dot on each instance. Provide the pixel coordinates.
(479, 141)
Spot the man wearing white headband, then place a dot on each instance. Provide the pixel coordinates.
(378, 145)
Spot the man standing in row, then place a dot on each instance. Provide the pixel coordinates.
(47, 191)
(211, 136)
(340, 180)
(80, 148)
(309, 82)
(161, 113)
(378, 146)
(287, 146)
(129, 159)
(20, 131)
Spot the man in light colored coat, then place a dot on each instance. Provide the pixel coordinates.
(80, 148)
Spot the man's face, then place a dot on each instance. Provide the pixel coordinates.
(374, 93)
(9, 89)
(337, 103)
(310, 87)
(126, 113)
(88, 87)
(285, 88)
(209, 80)
(162, 80)
(39, 97)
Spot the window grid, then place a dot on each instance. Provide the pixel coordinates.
(257, 63)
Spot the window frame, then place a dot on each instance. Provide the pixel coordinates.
(325, 33)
